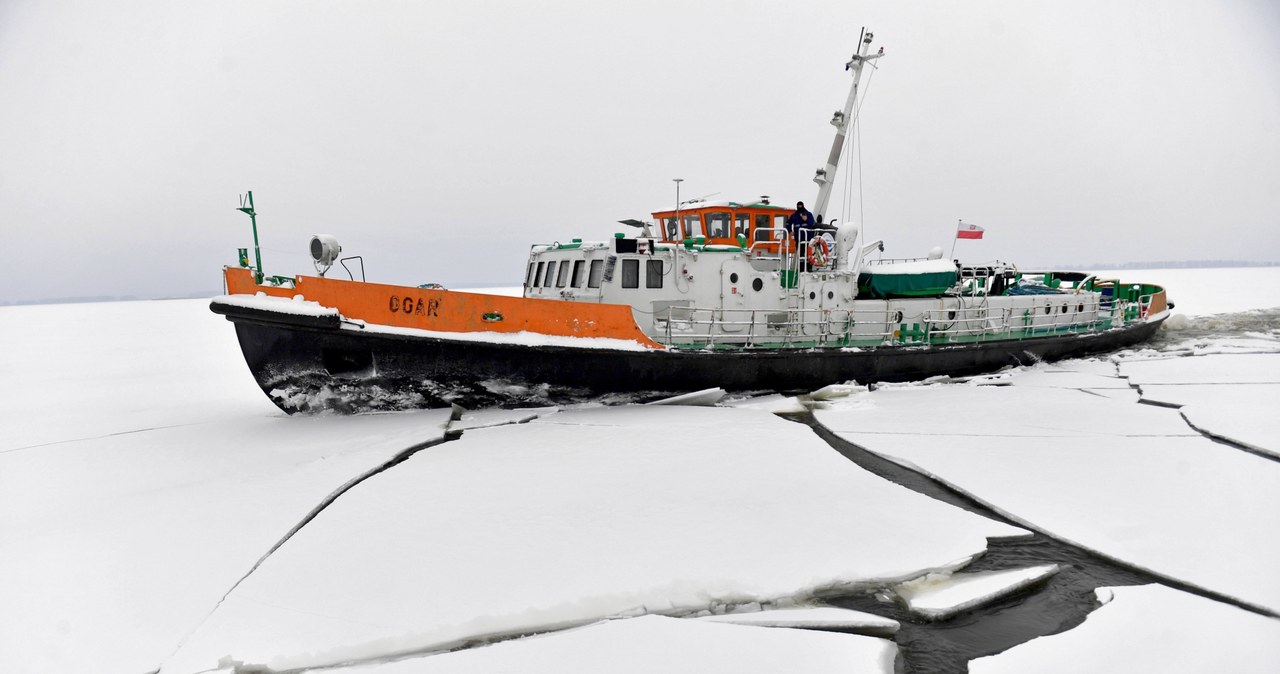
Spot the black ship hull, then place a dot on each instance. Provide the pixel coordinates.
(305, 364)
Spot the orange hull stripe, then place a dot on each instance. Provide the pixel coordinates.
(449, 311)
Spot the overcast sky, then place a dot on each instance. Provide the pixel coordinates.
(439, 140)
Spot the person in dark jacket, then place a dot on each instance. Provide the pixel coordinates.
(800, 221)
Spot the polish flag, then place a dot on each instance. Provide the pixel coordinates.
(969, 232)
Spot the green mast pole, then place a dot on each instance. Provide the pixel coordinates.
(257, 252)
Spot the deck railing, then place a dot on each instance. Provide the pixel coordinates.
(694, 327)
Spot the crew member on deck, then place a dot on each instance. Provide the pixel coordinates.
(800, 221)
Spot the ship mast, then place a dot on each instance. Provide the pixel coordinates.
(841, 121)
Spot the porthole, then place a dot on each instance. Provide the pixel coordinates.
(757, 285)
(1047, 309)
(813, 295)
(733, 278)
(1080, 309)
(1064, 309)
(897, 317)
(831, 295)
(951, 315)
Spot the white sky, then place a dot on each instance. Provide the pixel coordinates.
(439, 140)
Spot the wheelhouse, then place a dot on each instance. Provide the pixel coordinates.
(758, 226)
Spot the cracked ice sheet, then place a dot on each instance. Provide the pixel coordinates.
(1150, 628)
(574, 517)
(115, 548)
(1132, 482)
(140, 365)
(498, 417)
(1241, 413)
(657, 644)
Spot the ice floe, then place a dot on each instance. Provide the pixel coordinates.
(828, 618)
(1150, 628)
(1132, 482)
(703, 398)
(580, 515)
(114, 549)
(775, 403)
(657, 644)
(938, 596)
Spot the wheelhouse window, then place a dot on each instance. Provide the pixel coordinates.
(551, 275)
(631, 273)
(563, 277)
(671, 228)
(762, 228)
(692, 225)
(537, 277)
(596, 273)
(718, 225)
(528, 276)
(742, 224)
(576, 282)
(652, 273)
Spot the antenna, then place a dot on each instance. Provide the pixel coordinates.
(677, 181)
(841, 121)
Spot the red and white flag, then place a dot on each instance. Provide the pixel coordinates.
(969, 232)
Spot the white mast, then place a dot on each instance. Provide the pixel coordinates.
(841, 122)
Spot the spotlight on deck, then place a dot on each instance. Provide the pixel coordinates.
(324, 252)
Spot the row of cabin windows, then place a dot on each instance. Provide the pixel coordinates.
(719, 224)
(549, 274)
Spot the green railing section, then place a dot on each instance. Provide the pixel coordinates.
(242, 254)
(257, 251)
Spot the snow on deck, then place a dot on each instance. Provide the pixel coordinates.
(293, 306)
(651, 644)
(1133, 482)
(938, 596)
(574, 517)
(1149, 628)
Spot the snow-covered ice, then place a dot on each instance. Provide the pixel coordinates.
(938, 596)
(1242, 368)
(1133, 482)
(828, 618)
(78, 371)
(116, 548)
(1150, 628)
(657, 644)
(573, 517)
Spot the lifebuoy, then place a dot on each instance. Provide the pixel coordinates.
(819, 252)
